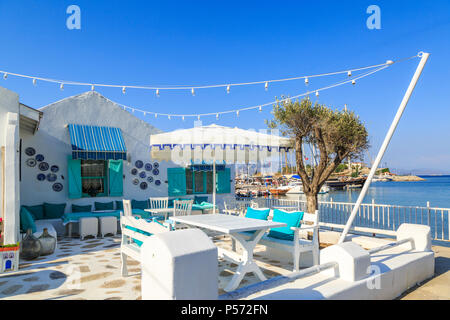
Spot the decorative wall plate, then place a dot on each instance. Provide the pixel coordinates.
(135, 181)
(43, 166)
(51, 177)
(139, 164)
(39, 157)
(57, 187)
(30, 151)
(54, 168)
(156, 165)
(155, 172)
(41, 177)
(150, 179)
(134, 171)
(143, 185)
(142, 174)
(31, 162)
(148, 167)
(157, 182)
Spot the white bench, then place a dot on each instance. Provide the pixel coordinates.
(128, 246)
(310, 222)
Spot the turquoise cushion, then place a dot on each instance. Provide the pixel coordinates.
(199, 200)
(135, 204)
(260, 214)
(170, 203)
(119, 205)
(292, 219)
(77, 208)
(53, 211)
(26, 220)
(36, 211)
(104, 205)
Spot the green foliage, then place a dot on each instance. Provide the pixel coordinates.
(340, 168)
(385, 170)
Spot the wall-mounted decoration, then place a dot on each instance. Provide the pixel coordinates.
(51, 177)
(157, 182)
(150, 179)
(155, 172)
(39, 157)
(57, 187)
(41, 177)
(148, 167)
(43, 166)
(30, 151)
(31, 162)
(134, 171)
(54, 168)
(142, 174)
(135, 181)
(139, 164)
(156, 165)
(143, 185)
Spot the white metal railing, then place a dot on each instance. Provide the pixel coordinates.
(371, 217)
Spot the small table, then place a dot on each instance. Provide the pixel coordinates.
(165, 211)
(233, 226)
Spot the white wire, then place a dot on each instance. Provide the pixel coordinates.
(259, 105)
(190, 87)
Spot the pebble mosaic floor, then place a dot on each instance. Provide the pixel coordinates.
(90, 270)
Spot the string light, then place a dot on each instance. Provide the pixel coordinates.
(237, 113)
(61, 86)
(353, 82)
(168, 117)
(193, 92)
(156, 115)
(92, 87)
(226, 85)
(182, 118)
(123, 90)
(34, 82)
(228, 88)
(349, 73)
(217, 116)
(266, 86)
(157, 93)
(260, 108)
(317, 93)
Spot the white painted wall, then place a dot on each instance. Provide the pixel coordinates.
(53, 141)
(9, 138)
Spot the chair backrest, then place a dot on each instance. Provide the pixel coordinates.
(254, 204)
(130, 227)
(311, 219)
(182, 207)
(127, 208)
(159, 203)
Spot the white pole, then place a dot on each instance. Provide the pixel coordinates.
(214, 182)
(424, 57)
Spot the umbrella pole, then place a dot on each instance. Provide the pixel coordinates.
(214, 182)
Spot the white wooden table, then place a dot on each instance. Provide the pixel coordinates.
(164, 211)
(233, 225)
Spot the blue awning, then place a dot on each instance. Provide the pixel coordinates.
(97, 143)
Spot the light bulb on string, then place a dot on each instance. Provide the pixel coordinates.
(317, 93)
(168, 117)
(193, 92)
(349, 73)
(34, 82)
(266, 86)
(92, 87)
(123, 90)
(145, 113)
(260, 108)
(389, 62)
(237, 113)
(5, 75)
(182, 118)
(156, 115)
(61, 86)
(198, 118)
(217, 116)
(228, 88)
(306, 81)
(353, 82)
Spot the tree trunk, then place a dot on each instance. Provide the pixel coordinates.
(311, 202)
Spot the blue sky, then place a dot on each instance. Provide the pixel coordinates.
(204, 42)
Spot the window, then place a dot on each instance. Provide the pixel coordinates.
(199, 182)
(93, 178)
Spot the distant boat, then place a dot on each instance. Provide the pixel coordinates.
(278, 191)
(298, 189)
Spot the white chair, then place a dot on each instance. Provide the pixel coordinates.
(159, 203)
(234, 212)
(127, 208)
(181, 208)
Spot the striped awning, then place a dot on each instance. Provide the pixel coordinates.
(97, 143)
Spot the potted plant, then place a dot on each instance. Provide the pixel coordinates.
(9, 254)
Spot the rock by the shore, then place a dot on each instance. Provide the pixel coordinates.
(407, 178)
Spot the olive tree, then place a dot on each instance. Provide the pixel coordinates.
(335, 134)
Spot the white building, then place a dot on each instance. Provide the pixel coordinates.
(42, 159)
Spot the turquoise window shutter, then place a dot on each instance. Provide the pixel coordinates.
(177, 181)
(223, 181)
(74, 177)
(115, 169)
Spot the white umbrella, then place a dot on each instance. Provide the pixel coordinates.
(215, 144)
